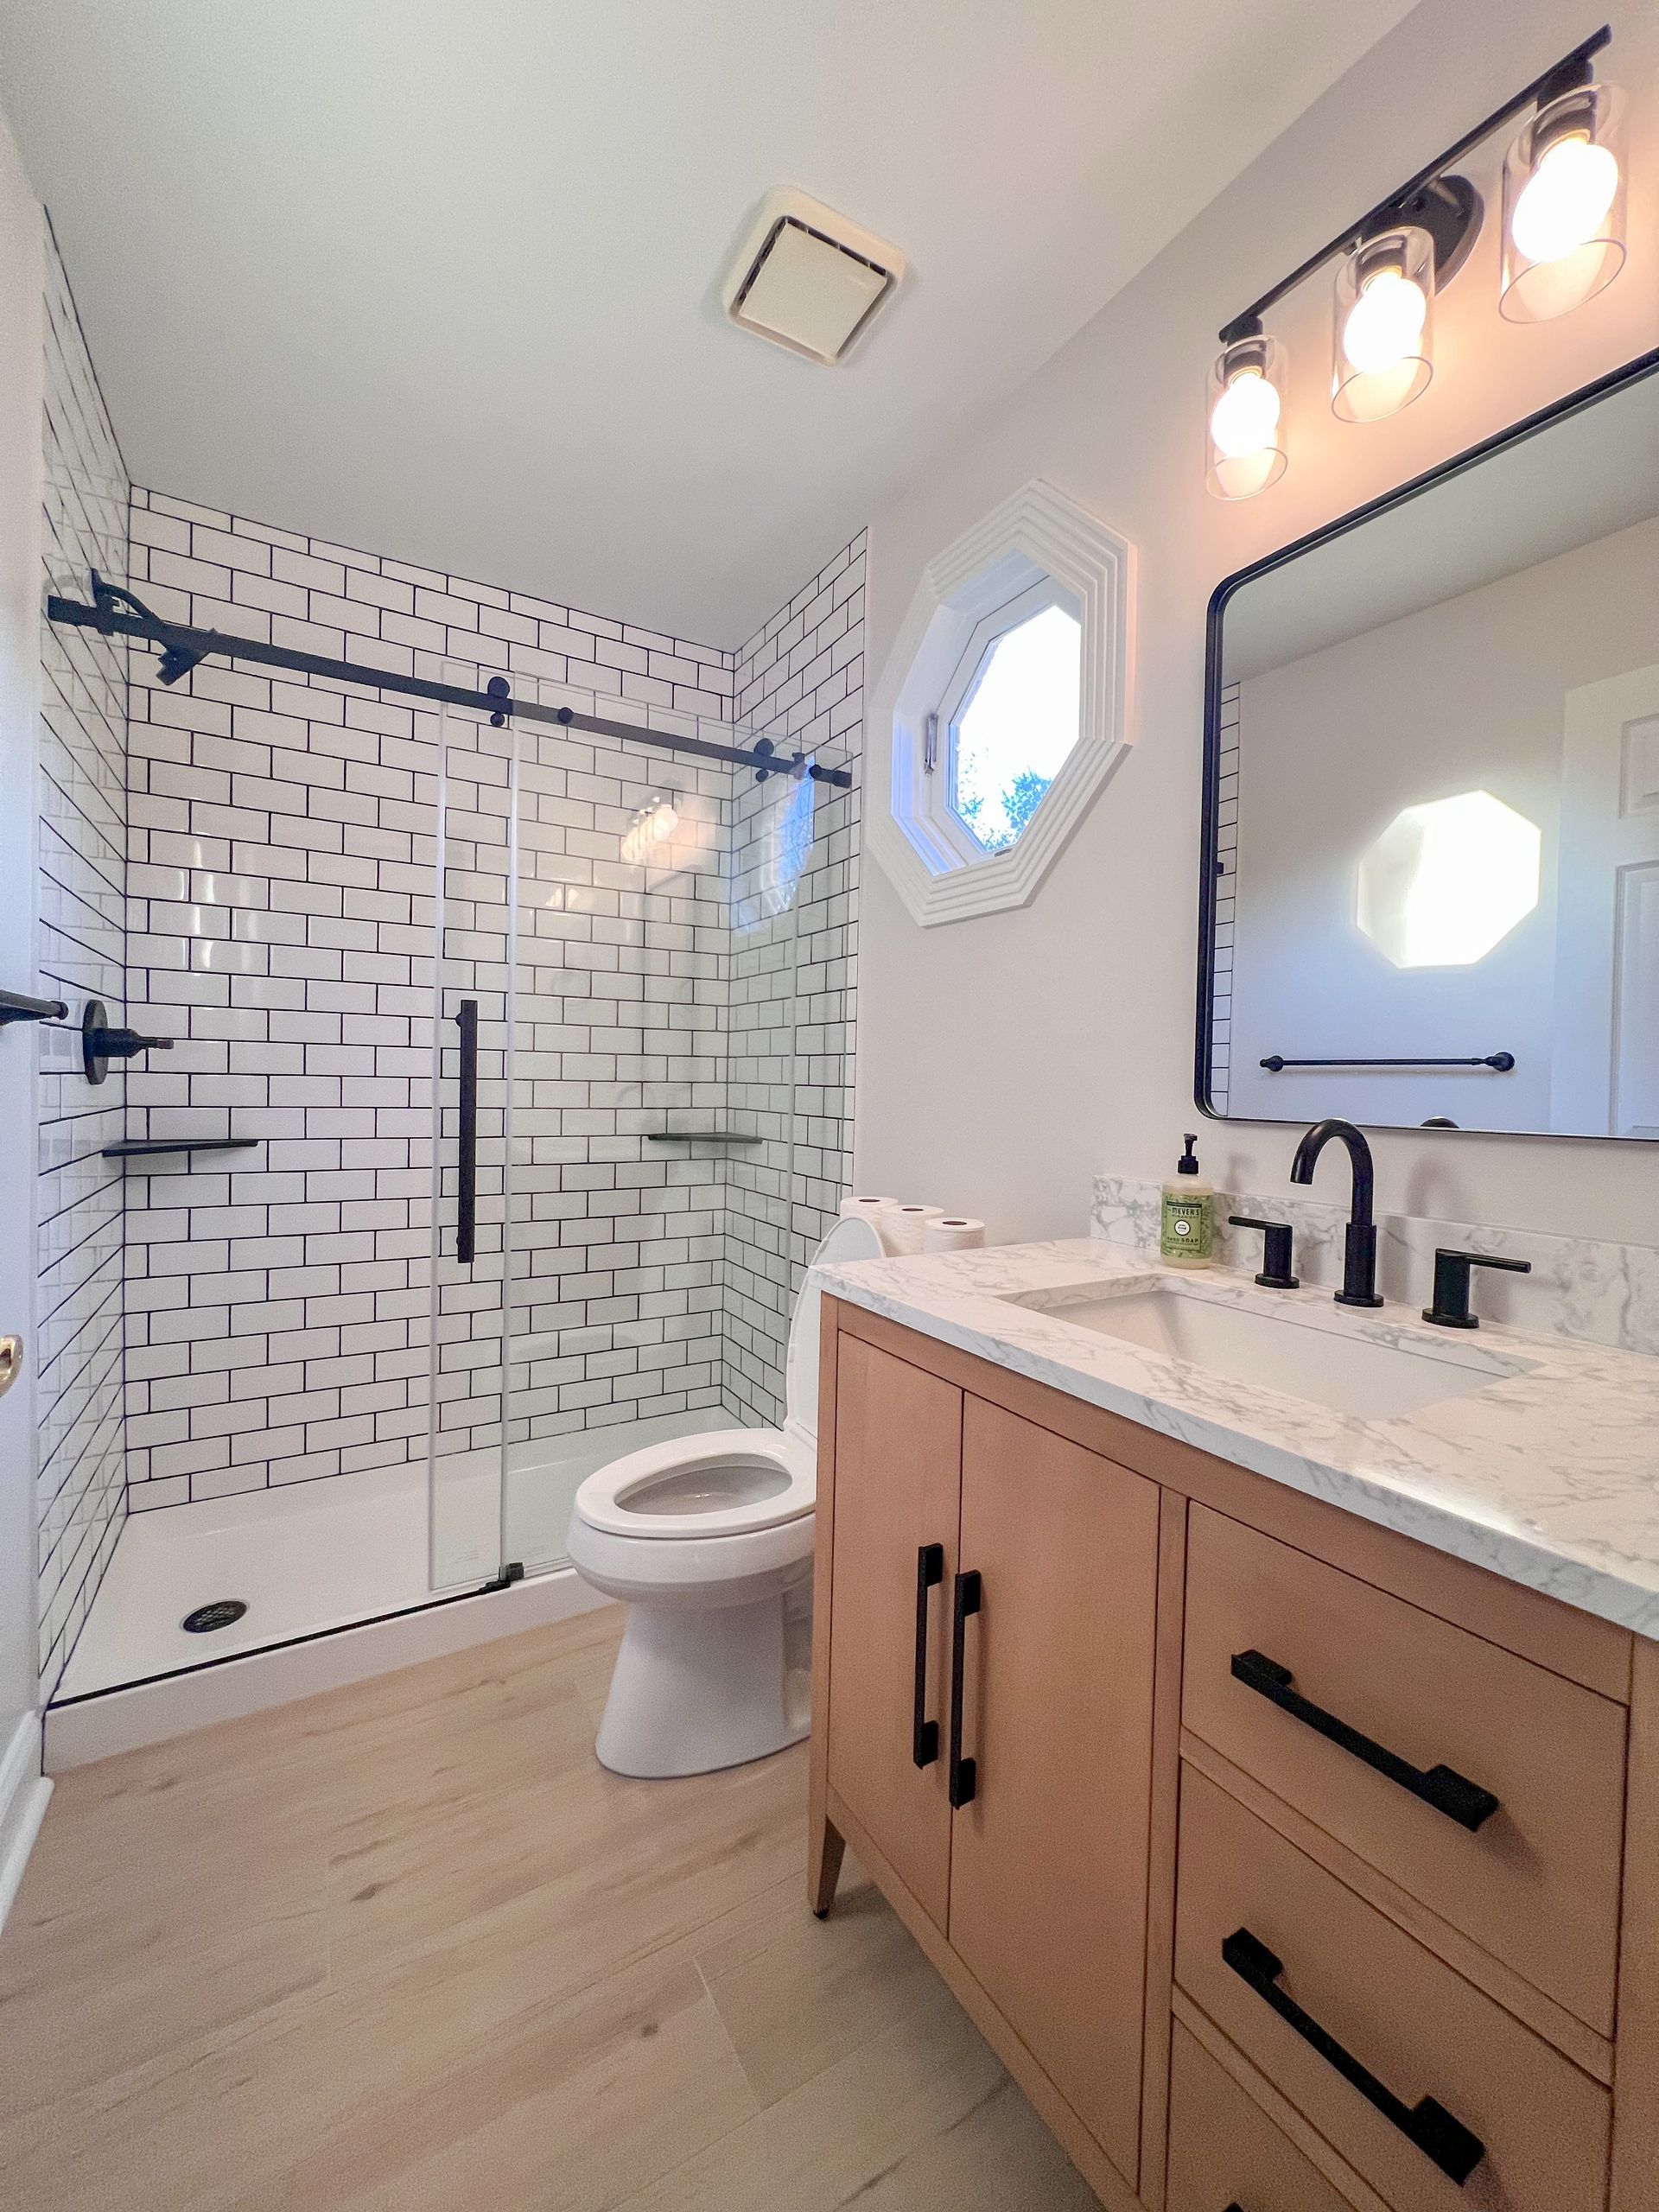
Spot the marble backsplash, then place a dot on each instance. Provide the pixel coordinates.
(1598, 1293)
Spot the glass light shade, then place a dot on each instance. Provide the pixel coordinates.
(1382, 354)
(1564, 206)
(1244, 436)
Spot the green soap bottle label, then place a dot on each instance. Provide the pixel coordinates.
(1186, 1228)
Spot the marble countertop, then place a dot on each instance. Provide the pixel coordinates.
(1548, 1474)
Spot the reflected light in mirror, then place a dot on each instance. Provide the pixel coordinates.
(1449, 879)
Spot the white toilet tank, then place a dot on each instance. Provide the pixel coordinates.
(848, 1240)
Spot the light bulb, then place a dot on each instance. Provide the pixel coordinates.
(663, 823)
(1385, 324)
(1246, 417)
(1561, 207)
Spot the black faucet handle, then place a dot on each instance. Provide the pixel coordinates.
(1451, 1272)
(1277, 1252)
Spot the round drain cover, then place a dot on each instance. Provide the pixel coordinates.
(219, 1614)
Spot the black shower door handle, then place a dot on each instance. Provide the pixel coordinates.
(1454, 2149)
(965, 1773)
(467, 1177)
(924, 1733)
(1442, 1787)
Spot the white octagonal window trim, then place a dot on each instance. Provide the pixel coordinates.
(1037, 554)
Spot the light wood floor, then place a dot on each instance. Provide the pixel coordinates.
(408, 1945)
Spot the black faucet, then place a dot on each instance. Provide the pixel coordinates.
(1359, 1251)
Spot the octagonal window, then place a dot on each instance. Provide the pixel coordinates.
(1001, 710)
(1449, 881)
(1016, 720)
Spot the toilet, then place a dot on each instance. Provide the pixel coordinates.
(708, 1541)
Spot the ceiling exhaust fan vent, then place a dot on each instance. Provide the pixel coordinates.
(808, 279)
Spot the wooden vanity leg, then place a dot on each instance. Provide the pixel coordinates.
(824, 1865)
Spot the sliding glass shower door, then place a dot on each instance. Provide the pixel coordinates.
(620, 1051)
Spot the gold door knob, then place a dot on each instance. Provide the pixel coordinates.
(12, 1361)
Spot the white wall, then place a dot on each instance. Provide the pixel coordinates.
(1002, 1061)
(21, 1792)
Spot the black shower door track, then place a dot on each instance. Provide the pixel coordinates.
(497, 702)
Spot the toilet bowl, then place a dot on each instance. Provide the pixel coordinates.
(708, 1541)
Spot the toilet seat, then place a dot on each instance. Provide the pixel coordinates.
(728, 1482)
(775, 1473)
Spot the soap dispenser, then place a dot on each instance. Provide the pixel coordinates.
(1186, 1232)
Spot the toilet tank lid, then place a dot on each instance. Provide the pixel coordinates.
(852, 1239)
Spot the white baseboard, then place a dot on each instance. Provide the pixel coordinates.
(23, 1794)
(119, 1720)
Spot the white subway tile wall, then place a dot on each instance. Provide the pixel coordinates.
(81, 954)
(1221, 1033)
(284, 848)
(793, 1001)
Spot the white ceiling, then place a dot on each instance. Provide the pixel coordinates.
(439, 277)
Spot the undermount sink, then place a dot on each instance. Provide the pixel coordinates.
(1294, 1350)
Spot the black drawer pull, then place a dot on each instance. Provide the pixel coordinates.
(1453, 1794)
(1453, 2149)
(924, 1733)
(965, 1773)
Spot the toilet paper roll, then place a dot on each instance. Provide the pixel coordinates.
(854, 1208)
(904, 1226)
(953, 1232)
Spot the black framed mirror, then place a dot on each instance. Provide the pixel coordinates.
(1429, 894)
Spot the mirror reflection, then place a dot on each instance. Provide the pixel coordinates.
(1435, 800)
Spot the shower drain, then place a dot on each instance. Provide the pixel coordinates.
(219, 1614)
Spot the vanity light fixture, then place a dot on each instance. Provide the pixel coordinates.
(1382, 352)
(1563, 241)
(1564, 197)
(1244, 417)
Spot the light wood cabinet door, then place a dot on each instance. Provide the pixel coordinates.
(897, 1475)
(1048, 1880)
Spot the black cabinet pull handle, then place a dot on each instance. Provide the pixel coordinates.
(965, 1773)
(1427, 2124)
(467, 1176)
(924, 1733)
(1447, 1791)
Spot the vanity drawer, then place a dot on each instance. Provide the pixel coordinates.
(1378, 2024)
(1536, 1882)
(1225, 2150)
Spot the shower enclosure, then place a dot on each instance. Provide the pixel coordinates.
(614, 1092)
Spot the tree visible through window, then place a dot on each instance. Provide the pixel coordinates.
(1016, 724)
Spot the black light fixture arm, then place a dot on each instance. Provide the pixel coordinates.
(1573, 69)
(181, 649)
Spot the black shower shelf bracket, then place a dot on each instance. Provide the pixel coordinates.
(153, 1147)
(698, 1136)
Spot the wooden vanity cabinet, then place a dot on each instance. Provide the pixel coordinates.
(1091, 1704)
(986, 1716)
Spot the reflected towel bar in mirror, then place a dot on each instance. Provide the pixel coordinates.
(1500, 1062)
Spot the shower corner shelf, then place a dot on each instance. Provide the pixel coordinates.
(141, 1148)
(699, 1136)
